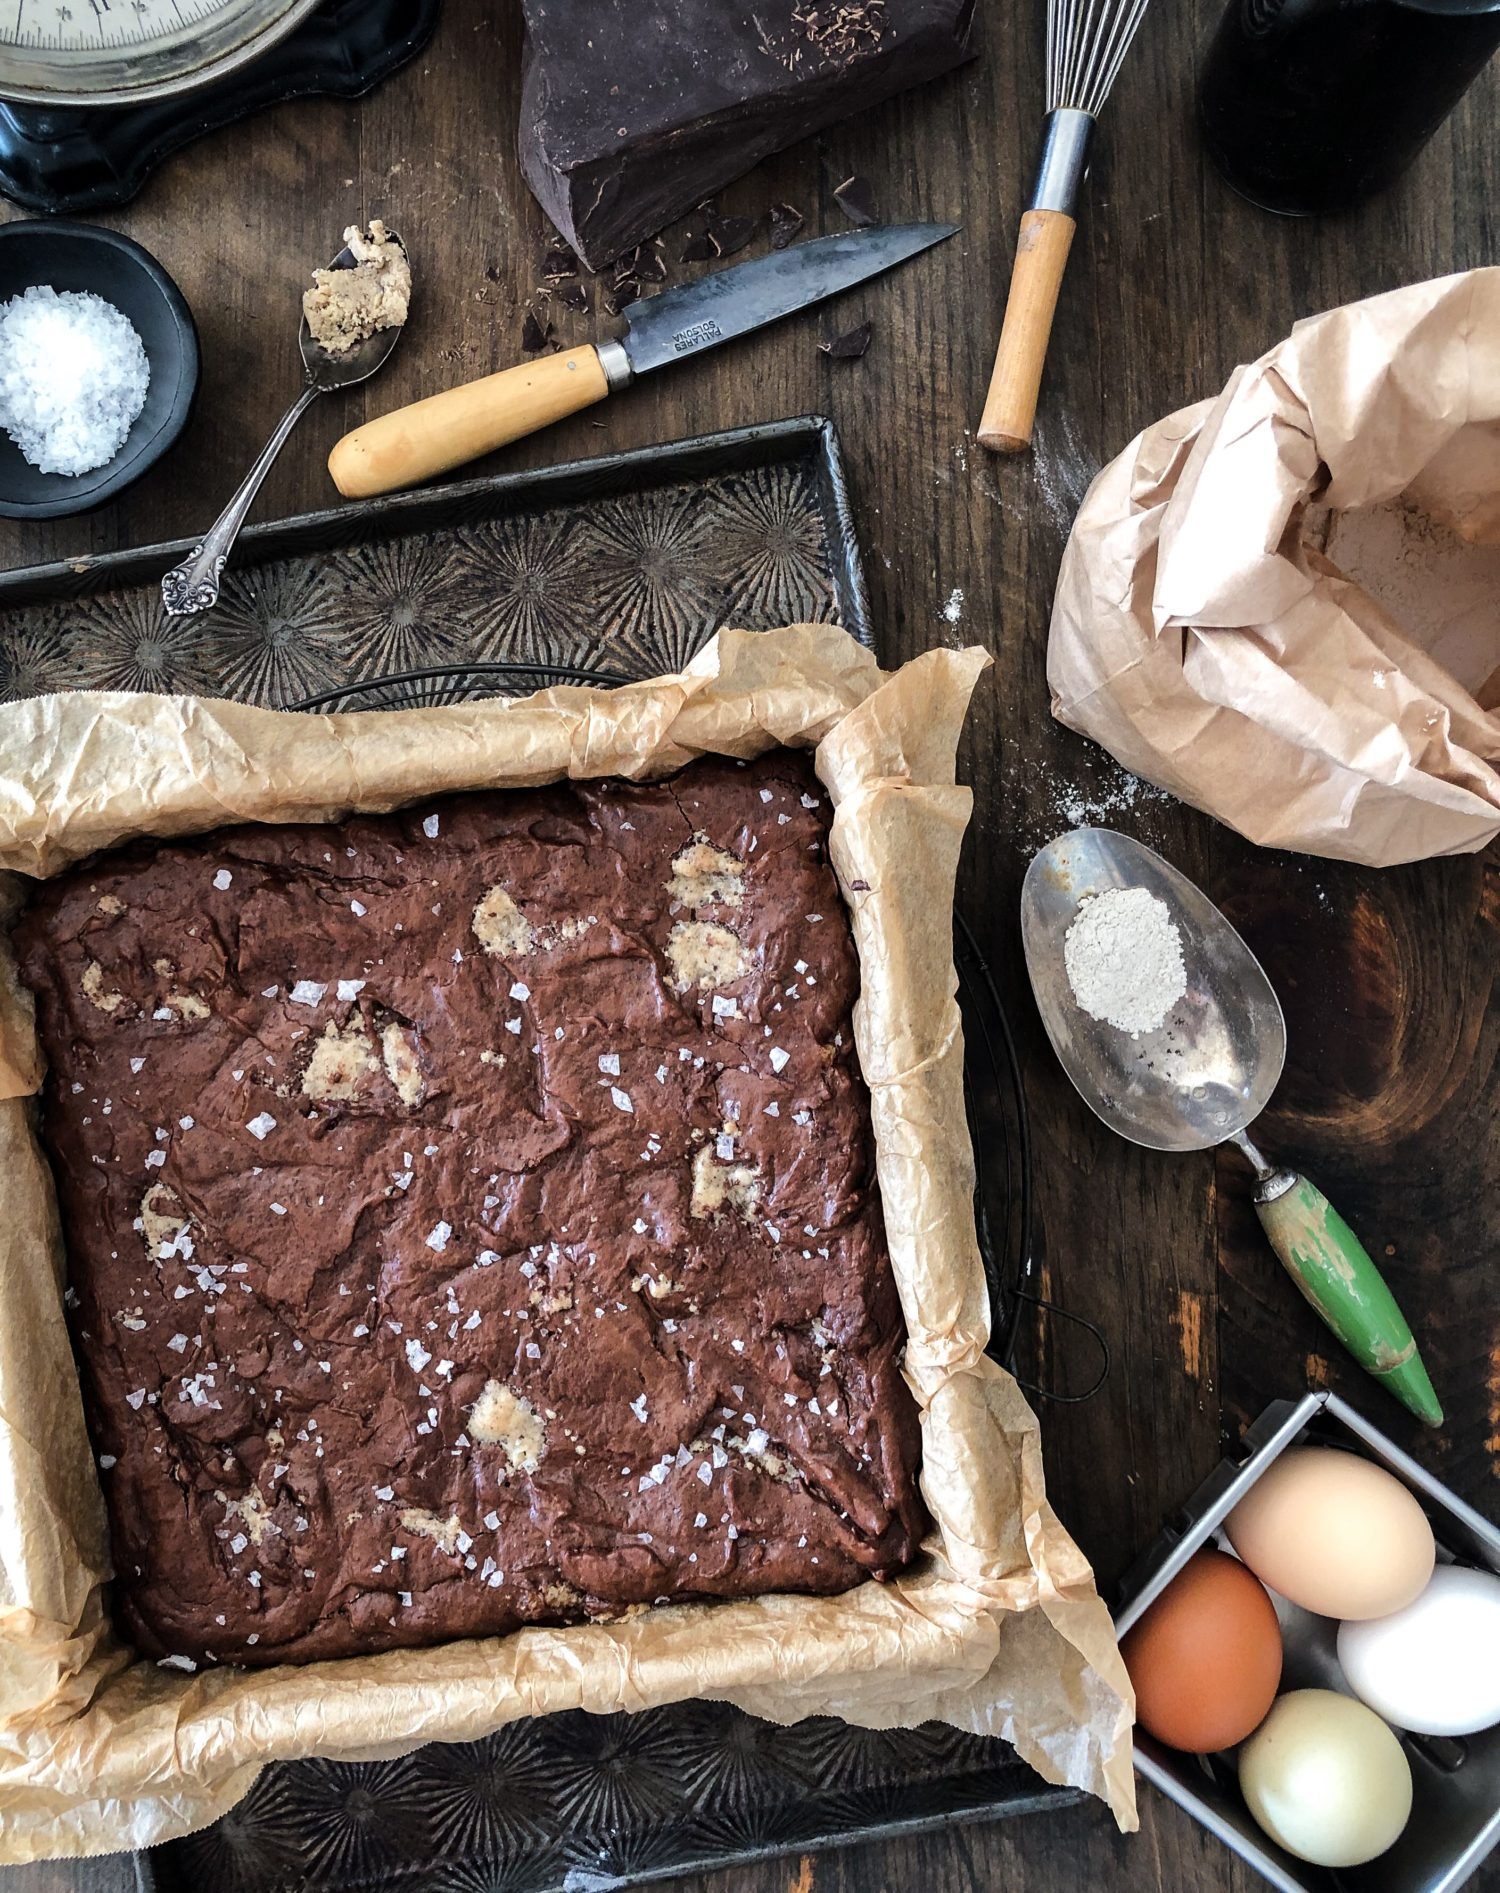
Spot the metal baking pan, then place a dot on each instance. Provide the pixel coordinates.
(1455, 1821)
(606, 570)
(575, 1803)
(630, 563)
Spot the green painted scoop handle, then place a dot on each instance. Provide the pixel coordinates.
(1328, 1263)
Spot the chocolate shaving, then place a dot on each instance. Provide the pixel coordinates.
(849, 346)
(559, 264)
(856, 198)
(534, 337)
(732, 234)
(842, 30)
(785, 223)
(620, 295)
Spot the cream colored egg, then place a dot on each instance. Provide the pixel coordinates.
(1335, 1533)
(1326, 1779)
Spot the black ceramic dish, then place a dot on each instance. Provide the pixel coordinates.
(80, 257)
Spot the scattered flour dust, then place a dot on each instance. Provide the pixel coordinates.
(953, 611)
(1123, 956)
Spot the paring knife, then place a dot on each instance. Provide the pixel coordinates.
(417, 442)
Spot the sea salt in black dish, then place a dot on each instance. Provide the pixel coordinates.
(73, 256)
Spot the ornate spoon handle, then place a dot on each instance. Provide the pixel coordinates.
(194, 585)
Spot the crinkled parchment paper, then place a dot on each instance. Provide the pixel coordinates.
(1203, 636)
(997, 1629)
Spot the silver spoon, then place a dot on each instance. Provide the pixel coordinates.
(193, 585)
(1204, 1076)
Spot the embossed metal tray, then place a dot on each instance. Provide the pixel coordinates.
(609, 569)
(630, 562)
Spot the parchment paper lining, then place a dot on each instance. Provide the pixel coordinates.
(997, 1630)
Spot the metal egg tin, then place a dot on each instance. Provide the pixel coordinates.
(1455, 1820)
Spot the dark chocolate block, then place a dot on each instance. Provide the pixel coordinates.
(471, 1216)
(632, 113)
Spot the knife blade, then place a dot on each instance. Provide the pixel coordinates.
(431, 437)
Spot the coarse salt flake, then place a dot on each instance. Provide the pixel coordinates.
(223, 879)
(307, 992)
(73, 378)
(437, 1236)
(261, 1126)
(430, 827)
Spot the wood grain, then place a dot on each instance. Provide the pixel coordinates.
(1393, 1080)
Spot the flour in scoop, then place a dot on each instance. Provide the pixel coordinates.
(1123, 956)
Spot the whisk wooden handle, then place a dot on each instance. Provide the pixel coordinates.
(1035, 280)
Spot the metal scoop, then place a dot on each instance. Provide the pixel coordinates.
(193, 585)
(1202, 1077)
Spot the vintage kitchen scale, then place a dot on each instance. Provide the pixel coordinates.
(95, 94)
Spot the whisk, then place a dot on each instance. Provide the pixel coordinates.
(1087, 41)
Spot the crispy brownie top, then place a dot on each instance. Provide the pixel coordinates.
(471, 1216)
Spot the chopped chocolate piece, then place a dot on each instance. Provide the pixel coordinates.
(631, 115)
(785, 223)
(472, 1218)
(559, 264)
(849, 346)
(491, 273)
(732, 234)
(700, 248)
(856, 198)
(650, 265)
(573, 296)
(621, 295)
(534, 337)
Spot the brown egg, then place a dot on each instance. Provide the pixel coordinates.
(1205, 1659)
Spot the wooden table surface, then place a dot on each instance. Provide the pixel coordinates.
(1391, 1091)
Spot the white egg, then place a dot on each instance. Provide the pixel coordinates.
(1433, 1668)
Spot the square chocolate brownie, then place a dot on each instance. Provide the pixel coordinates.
(471, 1216)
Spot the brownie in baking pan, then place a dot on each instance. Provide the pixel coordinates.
(471, 1216)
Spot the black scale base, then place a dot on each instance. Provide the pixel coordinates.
(66, 161)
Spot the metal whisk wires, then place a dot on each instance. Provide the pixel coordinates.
(1087, 41)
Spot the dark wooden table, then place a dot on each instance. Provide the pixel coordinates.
(1393, 1080)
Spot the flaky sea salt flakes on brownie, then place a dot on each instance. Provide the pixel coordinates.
(471, 1216)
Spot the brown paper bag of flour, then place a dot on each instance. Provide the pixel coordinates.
(1283, 605)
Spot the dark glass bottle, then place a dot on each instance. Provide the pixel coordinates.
(1311, 105)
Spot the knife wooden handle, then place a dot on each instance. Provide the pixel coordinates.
(418, 442)
(1036, 278)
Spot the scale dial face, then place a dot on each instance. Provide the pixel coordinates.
(121, 52)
